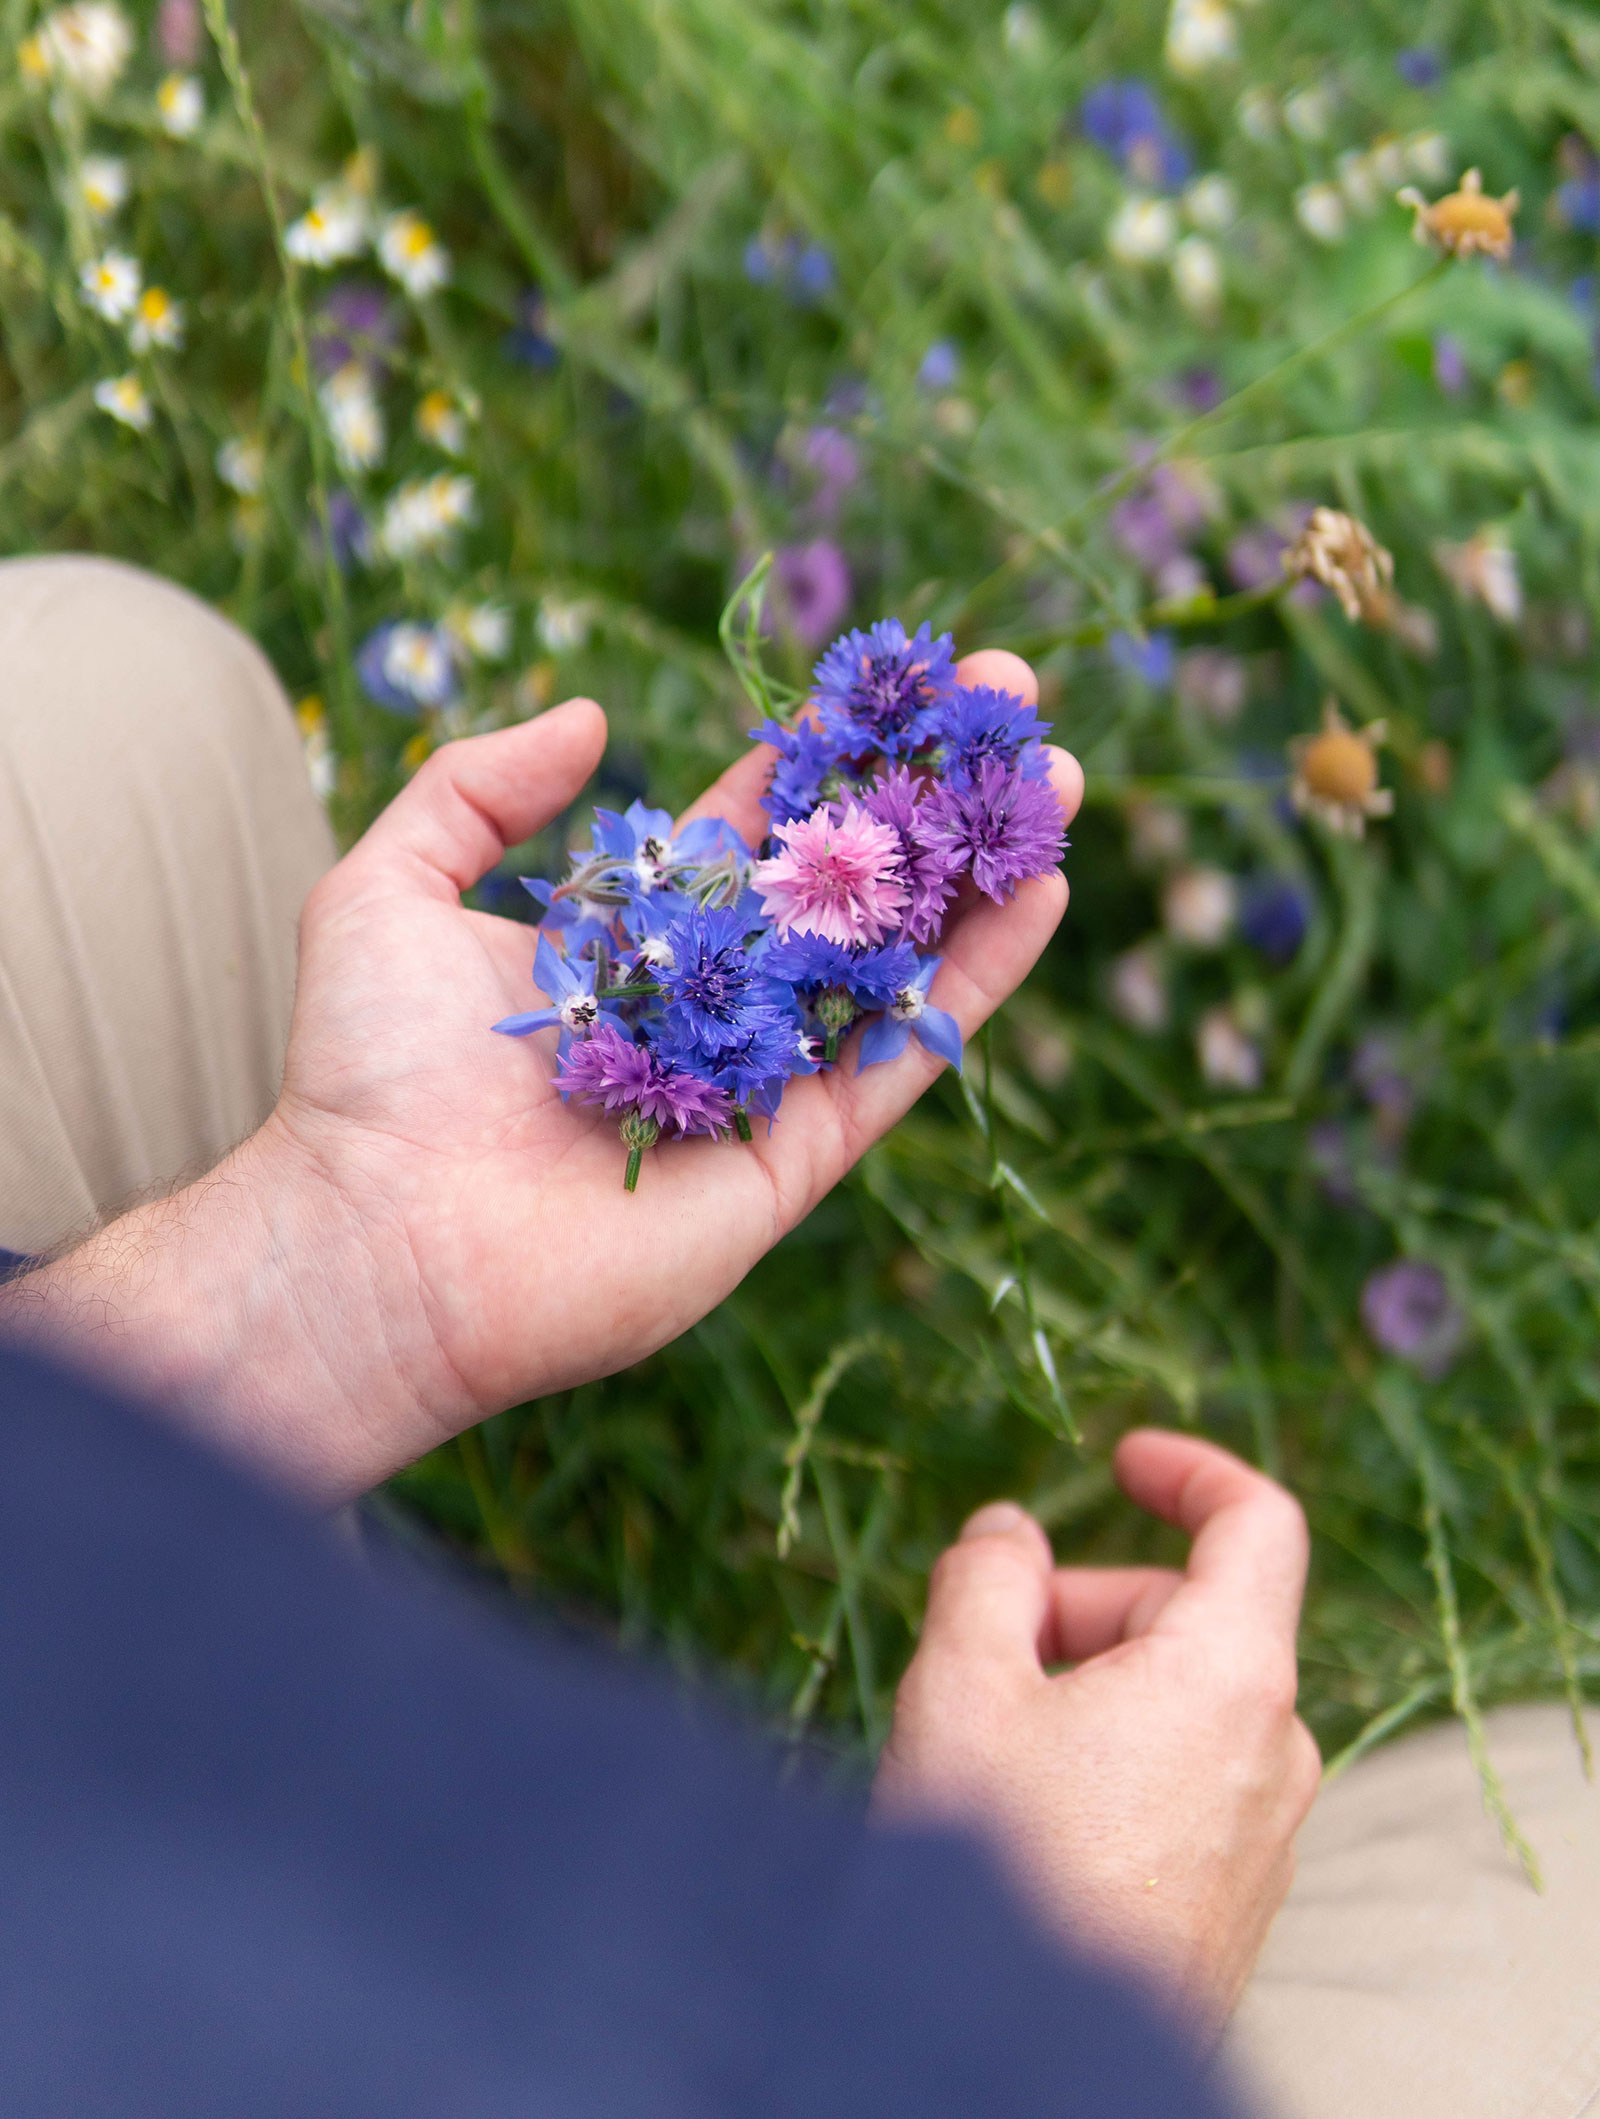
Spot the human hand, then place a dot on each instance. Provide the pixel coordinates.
(423, 1232)
(1146, 1800)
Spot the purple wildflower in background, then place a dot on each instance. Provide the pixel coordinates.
(879, 691)
(1145, 531)
(1255, 557)
(714, 994)
(608, 1068)
(982, 723)
(814, 589)
(179, 32)
(836, 461)
(1274, 916)
(1419, 67)
(1450, 369)
(1199, 389)
(1153, 660)
(1124, 119)
(802, 271)
(911, 1014)
(356, 322)
(1408, 1311)
(940, 366)
(1005, 826)
(573, 1008)
(928, 872)
(805, 759)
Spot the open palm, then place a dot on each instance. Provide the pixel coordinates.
(507, 1260)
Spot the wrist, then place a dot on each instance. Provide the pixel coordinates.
(258, 1306)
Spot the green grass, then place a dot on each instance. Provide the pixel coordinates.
(1094, 1236)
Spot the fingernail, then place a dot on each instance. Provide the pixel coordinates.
(997, 1517)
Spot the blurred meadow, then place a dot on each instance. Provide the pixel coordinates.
(469, 354)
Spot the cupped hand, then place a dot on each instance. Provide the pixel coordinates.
(502, 1257)
(1147, 1798)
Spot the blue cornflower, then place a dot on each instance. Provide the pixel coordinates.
(1154, 660)
(1124, 118)
(940, 366)
(712, 989)
(1274, 917)
(754, 1068)
(574, 1009)
(880, 691)
(871, 977)
(979, 723)
(908, 1015)
(805, 759)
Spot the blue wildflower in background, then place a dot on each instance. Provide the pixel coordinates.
(940, 366)
(1274, 916)
(1419, 67)
(911, 1014)
(1153, 660)
(527, 342)
(1126, 121)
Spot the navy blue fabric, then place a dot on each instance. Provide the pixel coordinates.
(281, 1838)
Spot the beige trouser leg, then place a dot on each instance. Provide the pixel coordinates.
(1414, 1973)
(157, 838)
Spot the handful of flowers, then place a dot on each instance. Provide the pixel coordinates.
(698, 976)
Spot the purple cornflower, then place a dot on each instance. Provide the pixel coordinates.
(1408, 1311)
(712, 991)
(1005, 827)
(880, 691)
(940, 366)
(911, 1014)
(814, 589)
(928, 872)
(608, 1068)
(356, 322)
(574, 1009)
(980, 723)
(805, 759)
(1274, 916)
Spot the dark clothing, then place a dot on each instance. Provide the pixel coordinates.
(283, 1838)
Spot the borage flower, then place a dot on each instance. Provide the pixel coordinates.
(928, 872)
(837, 875)
(1004, 826)
(650, 1094)
(574, 1008)
(911, 1014)
(879, 691)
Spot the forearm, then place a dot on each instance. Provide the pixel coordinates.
(256, 1306)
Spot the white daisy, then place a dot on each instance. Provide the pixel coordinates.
(102, 185)
(242, 465)
(482, 630)
(335, 226)
(418, 660)
(85, 47)
(1228, 1059)
(424, 514)
(180, 105)
(123, 396)
(110, 285)
(1200, 34)
(354, 416)
(1142, 231)
(1211, 203)
(411, 253)
(442, 420)
(1197, 275)
(1319, 208)
(158, 321)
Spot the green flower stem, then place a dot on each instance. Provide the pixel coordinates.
(1355, 872)
(337, 661)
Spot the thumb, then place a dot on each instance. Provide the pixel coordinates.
(989, 1598)
(474, 798)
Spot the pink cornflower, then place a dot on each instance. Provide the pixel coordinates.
(839, 877)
